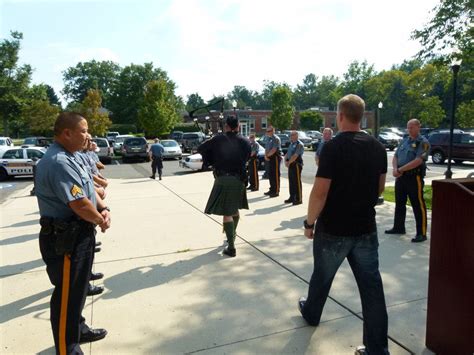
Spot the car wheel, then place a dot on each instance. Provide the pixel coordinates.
(124, 160)
(3, 175)
(457, 161)
(438, 157)
(391, 148)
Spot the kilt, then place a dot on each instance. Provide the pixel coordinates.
(228, 195)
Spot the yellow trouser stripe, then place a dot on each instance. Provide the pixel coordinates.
(276, 176)
(255, 173)
(422, 205)
(298, 178)
(64, 304)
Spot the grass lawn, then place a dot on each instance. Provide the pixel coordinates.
(389, 195)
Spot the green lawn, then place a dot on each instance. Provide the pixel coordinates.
(389, 195)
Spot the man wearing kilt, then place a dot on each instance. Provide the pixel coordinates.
(227, 154)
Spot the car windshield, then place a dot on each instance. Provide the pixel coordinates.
(169, 144)
(102, 143)
(135, 142)
(190, 135)
(120, 139)
(3, 142)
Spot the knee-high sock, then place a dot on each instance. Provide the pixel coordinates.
(236, 222)
(229, 232)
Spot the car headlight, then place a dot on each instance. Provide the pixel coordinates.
(195, 160)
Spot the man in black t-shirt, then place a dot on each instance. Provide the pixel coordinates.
(350, 178)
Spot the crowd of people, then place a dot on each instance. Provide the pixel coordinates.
(352, 167)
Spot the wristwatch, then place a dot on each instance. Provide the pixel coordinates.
(308, 226)
(100, 210)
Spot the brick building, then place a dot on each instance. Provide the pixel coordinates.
(256, 121)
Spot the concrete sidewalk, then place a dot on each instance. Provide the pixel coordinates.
(169, 290)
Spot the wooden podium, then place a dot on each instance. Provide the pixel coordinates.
(450, 315)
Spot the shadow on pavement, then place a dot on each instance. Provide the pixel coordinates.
(9, 270)
(19, 239)
(23, 224)
(20, 308)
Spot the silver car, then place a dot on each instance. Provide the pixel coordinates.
(172, 149)
(106, 152)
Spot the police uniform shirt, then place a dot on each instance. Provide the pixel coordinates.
(273, 142)
(93, 159)
(320, 148)
(157, 150)
(254, 148)
(83, 160)
(60, 179)
(295, 148)
(410, 149)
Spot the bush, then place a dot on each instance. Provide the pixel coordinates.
(186, 127)
(123, 128)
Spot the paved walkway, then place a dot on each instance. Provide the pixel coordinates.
(169, 290)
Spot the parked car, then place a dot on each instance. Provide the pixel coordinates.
(191, 140)
(177, 136)
(314, 135)
(106, 152)
(19, 161)
(37, 142)
(110, 136)
(5, 143)
(172, 149)
(463, 146)
(285, 142)
(307, 141)
(389, 140)
(395, 130)
(117, 144)
(135, 148)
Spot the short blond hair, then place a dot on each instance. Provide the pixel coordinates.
(352, 106)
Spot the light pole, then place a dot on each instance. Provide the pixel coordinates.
(455, 66)
(207, 125)
(377, 125)
(234, 105)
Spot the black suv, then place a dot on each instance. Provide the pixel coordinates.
(285, 142)
(192, 140)
(463, 146)
(135, 148)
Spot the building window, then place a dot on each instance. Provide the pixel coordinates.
(252, 124)
(264, 123)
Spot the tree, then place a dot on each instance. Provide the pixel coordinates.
(39, 116)
(306, 95)
(310, 120)
(282, 108)
(263, 100)
(194, 101)
(243, 96)
(465, 114)
(96, 75)
(356, 77)
(157, 113)
(97, 117)
(327, 92)
(14, 81)
(52, 97)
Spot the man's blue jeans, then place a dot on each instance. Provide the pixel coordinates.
(329, 252)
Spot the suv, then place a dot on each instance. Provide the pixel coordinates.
(37, 142)
(177, 136)
(285, 142)
(106, 151)
(192, 140)
(133, 148)
(463, 146)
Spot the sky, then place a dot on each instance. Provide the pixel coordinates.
(209, 46)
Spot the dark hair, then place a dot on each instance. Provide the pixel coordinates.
(66, 120)
(232, 122)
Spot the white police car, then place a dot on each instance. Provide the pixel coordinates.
(19, 161)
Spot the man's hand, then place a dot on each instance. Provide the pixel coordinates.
(396, 173)
(287, 163)
(309, 233)
(107, 221)
(267, 158)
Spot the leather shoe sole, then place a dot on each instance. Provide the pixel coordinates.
(95, 290)
(268, 193)
(394, 231)
(419, 238)
(92, 335)
(96, 276)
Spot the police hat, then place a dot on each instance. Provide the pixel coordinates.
(232, 122)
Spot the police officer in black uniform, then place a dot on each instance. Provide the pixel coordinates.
(273, 156)
(69, 210)
(409, 168)
(228, 154)
(253, 165)
(294, 163)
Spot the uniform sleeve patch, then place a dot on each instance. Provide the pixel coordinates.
(426, 146)
(76, 190)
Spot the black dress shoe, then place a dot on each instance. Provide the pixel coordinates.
(268, 193)
(395, 231)
(273, 195)
(297, 203)
(301, 303)
(96, 276)
(288, 200)
(92, 335)
(96, 250)
(152, 177)
(95, 290)
(230, 252)
(253, 189)
(419, 238)
(98, 244)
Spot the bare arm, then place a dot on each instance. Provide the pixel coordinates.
(317, 200)
(411, 165)
(382, 183)
(86, 210)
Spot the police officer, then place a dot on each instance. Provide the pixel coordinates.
(273, 156)
(227, 153)
(294, 163)
(69, 211)
(253, 164)
(409, 168)
(156, 156)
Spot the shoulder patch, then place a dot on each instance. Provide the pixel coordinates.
(76, 190)
(426, 146)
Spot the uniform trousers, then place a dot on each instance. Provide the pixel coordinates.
(294, 180)
(274, 173)
(410, 186)
(70, 276)
(253, 173)
(156, 164)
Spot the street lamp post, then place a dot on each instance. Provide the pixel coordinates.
(455, 66)
(377, 124)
